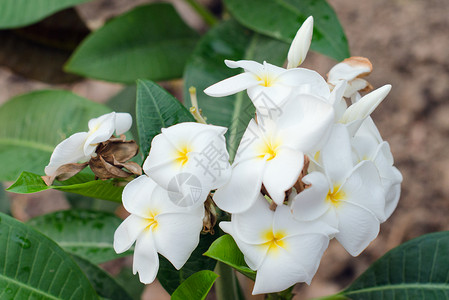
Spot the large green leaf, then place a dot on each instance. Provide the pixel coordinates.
(85, 233)
(46, 46)
(125, 101)
(156, 109)
(33, 267)
(104, 285)
(170, 278)
(149, 42)
(281, 19)
(82, 184)
(130, 282)
(231, 41)
(16, 13)
(196, 286)
(417, 269)
(31, 125)
(225, 249)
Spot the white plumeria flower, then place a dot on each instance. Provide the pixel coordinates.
(189, 159)
(271, 153)
(368, 145)
(349, 198)
(157, 226)
(267, 85)
(351, 70)
(82, 145)
(300, 45)
(282, 250)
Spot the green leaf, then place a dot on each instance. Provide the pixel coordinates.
(46, 46)
(102, 282)
(85, 233)
(417, 269)
(170, 278)
(156, 109)
(196, 286)
(225, 249)
(82, 184)
(130, 282)
(281, 19)
(33, 267)
(149, 42)
(17, 13)
(31, 125)
(125, 101)
(231, 41)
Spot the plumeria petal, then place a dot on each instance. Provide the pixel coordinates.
(267, 99)
(189, 156)
(146, 260)
(278, 272)
(249, 224)
(285, 221)
(68, 151)
(144, 197)
(242, 190)
(254, 254)
(127, 233)
(349, 69)
(301, 43)
(363, 187)
(357, 227)
(337, 101)
(305, 123)
(123, 122)
(100, 130)
(232, 85)
(305, 81)
(162, 152)
(247, 65)
(310, 248)
(282, 172)
(365, 106)
(336, 155)
(392, 196)
(177, 235)
(310, 204)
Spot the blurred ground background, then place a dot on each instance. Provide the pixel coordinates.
(407, 41)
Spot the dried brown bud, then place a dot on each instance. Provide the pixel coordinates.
(210, 216)
(112, 156)
(64, 172)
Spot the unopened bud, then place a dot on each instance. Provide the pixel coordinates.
(300, 45)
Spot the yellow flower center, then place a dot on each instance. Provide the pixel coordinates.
(270, 148)
(335, 196)
(266, 79)
(181, 155)
(275, 241)
(150, 221)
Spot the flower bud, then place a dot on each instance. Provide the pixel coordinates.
(300, 45)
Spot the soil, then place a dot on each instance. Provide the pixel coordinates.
(407, 42)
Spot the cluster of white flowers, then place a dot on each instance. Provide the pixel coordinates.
(186, 161)
(309, 168)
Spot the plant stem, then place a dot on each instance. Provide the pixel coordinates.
(225, 286)
(207, 16)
